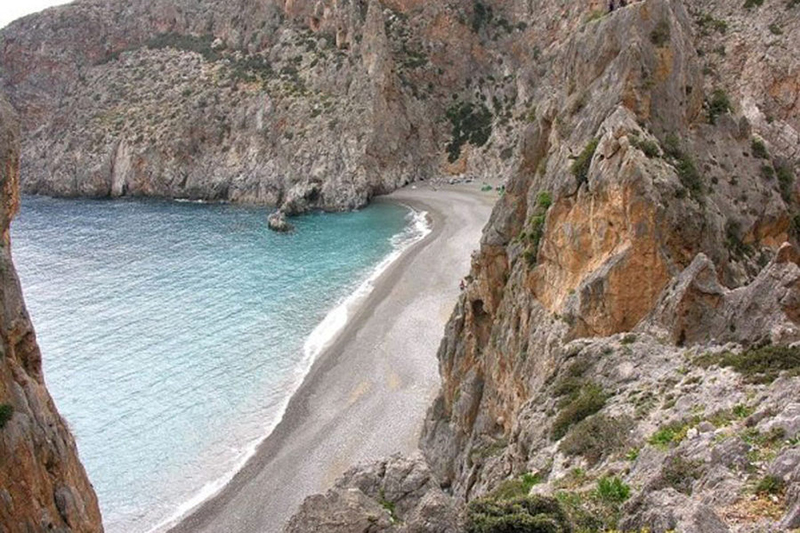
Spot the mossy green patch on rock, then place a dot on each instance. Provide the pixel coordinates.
(6, 412)
(580, 167)
(758, 365)
(589, 400)
(471, 123)
(533, 514)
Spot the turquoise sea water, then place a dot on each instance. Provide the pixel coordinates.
(173, 333)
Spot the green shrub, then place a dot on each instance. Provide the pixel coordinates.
(567, 386)
(669, 434)
(689, 176)
(775, 29)
(189, 43)
(530, 258)
(650, 148)
(758, 365)
(612, 489)
(588, 512)
(596, 437)
(572, 380)
(470, 123)
(749, 4)
(251, 68)
(660, 34)
(718, 104)
(585, 403)
(770, 485)
(532, 514)
(785, 177)
(724, 417)
(767, 172)
(544, 200)
(390, 507)
(535, 229)
(796, 225)
(481, 16)
(742, 411)
(672, 146)
(516, 488)
(733, 240)
(580, 167)
(535, 234)
(684, 166)
(759, 149)
(6, 412)
(707, 23)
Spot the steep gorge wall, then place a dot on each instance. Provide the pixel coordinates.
(298, 104)
(43, 486)
(639, 268)
(592, 229)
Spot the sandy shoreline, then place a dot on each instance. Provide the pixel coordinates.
(366, 395)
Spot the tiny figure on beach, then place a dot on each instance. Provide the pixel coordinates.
(462, 285)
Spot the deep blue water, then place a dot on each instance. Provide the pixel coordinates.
(174, 333)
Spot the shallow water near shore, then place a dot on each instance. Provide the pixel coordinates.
(173, 333)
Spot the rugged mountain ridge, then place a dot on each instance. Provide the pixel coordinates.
(43, 486)
(298, 104)
(625, 354)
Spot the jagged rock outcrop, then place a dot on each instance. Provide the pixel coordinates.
(277, 222)
(43, 486)
(644, 200)
(398, 495)
(628, 338)
(697, 308)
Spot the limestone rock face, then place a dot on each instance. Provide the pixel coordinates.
(621, 182)
(43, 486)
(632, 311)
(643, 200)
(696, 307)
(398, 495)
(302, 104)
(277, 222)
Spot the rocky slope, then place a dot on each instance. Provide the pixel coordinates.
(626, 352)
(300, 104)
(43, 486)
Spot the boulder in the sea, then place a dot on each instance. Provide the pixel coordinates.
(277, 222)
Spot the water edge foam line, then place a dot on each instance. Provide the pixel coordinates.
(320, 337)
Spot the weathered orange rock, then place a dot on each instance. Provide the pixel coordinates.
(43, 485)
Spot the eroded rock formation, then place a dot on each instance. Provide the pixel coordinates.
(43, 486)
(627, 343)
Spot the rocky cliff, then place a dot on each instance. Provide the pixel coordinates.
(625, 355)
(300, 104)
(43, 486)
